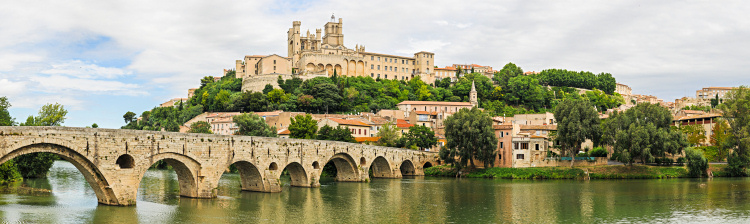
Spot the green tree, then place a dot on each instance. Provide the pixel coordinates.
(577, 121)
(469, 136)
(37, 165)
(253, 125)
(388, 135)
(696, 135)
(324, 133)
(221, 102)
(5, 118)
(268, 88)
(421, 136)
(736, 110)
(9, 172)
(303, 127)
(200, 127)
(94, 125)
(50, 115)
(642, 133)
(696, 163)
(129, 117)
(251, 101)
(206, 80)
(720, 136)
(509, 71)
(524, 90)
(277, 96)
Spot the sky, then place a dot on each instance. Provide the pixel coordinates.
(101, 59)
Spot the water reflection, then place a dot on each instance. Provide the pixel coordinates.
(410, 200)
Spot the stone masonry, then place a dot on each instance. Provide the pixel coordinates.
(114, 161)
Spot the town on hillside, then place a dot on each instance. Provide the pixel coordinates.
(410, 91)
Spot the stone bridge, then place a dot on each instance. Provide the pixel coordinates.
(113, 161)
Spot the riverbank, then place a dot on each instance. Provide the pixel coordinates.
(593, 172)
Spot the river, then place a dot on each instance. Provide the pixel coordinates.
(410, 200)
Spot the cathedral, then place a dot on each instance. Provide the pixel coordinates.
(323, 54)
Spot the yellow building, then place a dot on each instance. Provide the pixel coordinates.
(323, 53)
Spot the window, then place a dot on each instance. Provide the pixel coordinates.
(501, 144)
(378, 67)
(372, 75)
(537, 147)
(372, 57)
(378, 58)
(519, 156)
(274, 62)
(386, 76)
(525, 145)
(372, 66)
(501, 134)
(360, 131)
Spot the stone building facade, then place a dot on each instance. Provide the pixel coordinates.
(323, 54)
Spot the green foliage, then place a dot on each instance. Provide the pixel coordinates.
(421, 136)
(696, 134)
(696, 163)
(509, 71)
(388, 134)
(696, 107)
(642, 133)
(35, 165)
(9, 173)
(525, 90)
(49, 115)
(577, 121)
(736, 110)
(469, 136)
(585, 80)
(94, 125)
(335, 134)
(602, 101)
(200, 127)
(681, 161)
(721, 135)
(303, 127)
(267, 89)
(253, 125)
(5, 118)
(598, 152)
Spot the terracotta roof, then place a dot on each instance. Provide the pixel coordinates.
(366, 139)
(272, 113)
(502, 126)
(284, 132)
(538, 127)
(348, 122)
(441, 103)
(699, 116)
(693, 111)
(401, 123)
(426, 112)
(446, 68)
(724, 88)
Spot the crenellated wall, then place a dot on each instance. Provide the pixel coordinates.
(113, 161)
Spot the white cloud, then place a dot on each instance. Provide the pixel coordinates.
(10, 88)
(59, 84)
(79, 69)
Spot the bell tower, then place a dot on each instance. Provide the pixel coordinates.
(334, 33)
(473, 95)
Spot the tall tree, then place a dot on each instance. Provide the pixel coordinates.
(509, 71)
(129, 117)
(696, 135)
(577, 121)
(5, 118)
(525, 90)
(720, 135)
(388, 135)
(253, 125)
(303, 127)
(642, 133)
(421, 136)
(469, 136)
(736, 110)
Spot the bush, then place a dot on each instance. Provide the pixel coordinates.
(711, 153)
(598, 152)
(696, 163)
(737, 165)
(583, 154)
(667, 161)
(681, 161)
(9, 173)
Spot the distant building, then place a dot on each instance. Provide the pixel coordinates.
(712, 92)
(705, 120)
(356, 127)
(447, 72)
(174, 102)
(623, 89)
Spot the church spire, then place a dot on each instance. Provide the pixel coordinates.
(473, 95)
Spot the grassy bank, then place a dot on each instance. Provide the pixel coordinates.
(594, 172)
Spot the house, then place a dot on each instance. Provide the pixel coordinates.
(356, 127)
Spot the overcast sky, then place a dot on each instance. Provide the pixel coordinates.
(103, 58)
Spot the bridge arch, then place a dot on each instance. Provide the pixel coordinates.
(381, 168)
(298, 174)
(91, 173)
(426, 165)
(407, 168)
(346, 167)
(185, 167)
(250, 176)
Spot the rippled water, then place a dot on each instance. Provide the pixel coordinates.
(417, 200)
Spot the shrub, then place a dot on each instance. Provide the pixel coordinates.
(598, 152)
(710, 152)
(696, 163)
(667, 161)
(583, 154)
(737, 165)
(681, 161)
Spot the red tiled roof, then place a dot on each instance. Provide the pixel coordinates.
(538, 127)
(426, 112)
(502, 127)
(699, 116)
(348, 122)
(284, 132)
(404, 125)
(440, 103)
